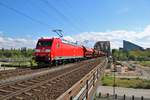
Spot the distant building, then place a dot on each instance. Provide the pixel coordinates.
(103, 46)
(128, 46)
(147, 49)
(120, 49)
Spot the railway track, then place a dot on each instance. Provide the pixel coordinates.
(5, 74)
(48, 86)
(15, 72)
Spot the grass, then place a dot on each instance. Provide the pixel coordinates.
(145, 63)
(126, 82)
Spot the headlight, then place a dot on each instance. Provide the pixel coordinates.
(47, 50)
(37, 50)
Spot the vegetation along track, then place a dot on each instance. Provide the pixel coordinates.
(49, 86)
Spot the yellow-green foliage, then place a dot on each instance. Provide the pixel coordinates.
(131, 55)
(145, 63)
(125, 82)
(16, 53)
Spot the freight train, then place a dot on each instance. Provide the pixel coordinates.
(57, 50)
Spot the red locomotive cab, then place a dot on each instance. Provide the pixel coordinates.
(43, 49)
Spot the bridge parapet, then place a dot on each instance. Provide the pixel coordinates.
(84, 89)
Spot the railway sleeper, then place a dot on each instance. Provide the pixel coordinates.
(14, 87)
(44, 87)
(6, 91)
(53, 81)
(35, 81)
(48, 84)
(30, 82)
(37, 90)
(28, 93)
(19, 98)
(9, 88)
(22, 85)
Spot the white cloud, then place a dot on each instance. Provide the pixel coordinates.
(115, 37)
(8, 42)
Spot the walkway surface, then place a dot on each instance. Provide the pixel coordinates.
(127, 91)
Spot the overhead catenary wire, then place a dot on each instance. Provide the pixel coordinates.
(23, 14)
(39, 21)
(43, 11)
(39, 8)
(61, 14)
(70, 8)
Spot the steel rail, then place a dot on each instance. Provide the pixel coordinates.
(35, 85)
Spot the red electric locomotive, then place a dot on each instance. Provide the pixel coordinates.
(55, 49)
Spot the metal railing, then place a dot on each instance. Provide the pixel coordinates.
(108, 96)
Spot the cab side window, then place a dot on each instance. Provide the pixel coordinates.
(57, 45)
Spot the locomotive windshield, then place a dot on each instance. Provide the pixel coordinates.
(44, 43)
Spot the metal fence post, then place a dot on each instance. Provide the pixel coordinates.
(99, 94)
(87, 89)
(93, 79)
(124, 97)
(142, 98)
(97, 73)
(71, 98)
(107, 95)
(115, 96)
(132, 97)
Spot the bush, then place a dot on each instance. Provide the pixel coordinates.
(126, 82)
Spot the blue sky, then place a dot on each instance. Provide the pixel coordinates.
(74, 17)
